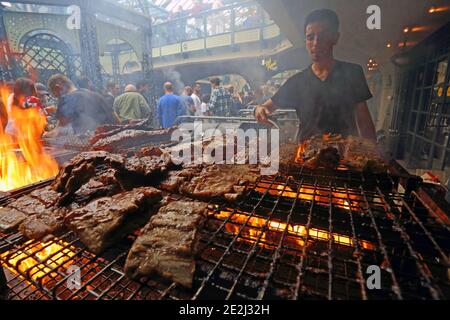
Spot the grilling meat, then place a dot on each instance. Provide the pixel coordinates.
(131, 138)
(356, 153)
(10, 219)
(150, 152)
(100, 173)
(105, 183)
(362, 155)
(73, 175)
(288, 156)
(106, 131)
(177, 178)
(28, 205)
(36, 214)
(322, 151)
(107, 220)
(43, 224)
(149, 167)
(222, 182)
(46, 220)
(169, 244)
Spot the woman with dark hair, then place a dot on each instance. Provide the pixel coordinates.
(24, 97)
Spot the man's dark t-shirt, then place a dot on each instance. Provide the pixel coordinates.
(325, 106)
(85, 110)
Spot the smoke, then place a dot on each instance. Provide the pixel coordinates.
(170, 74)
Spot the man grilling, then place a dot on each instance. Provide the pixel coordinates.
(330, 96)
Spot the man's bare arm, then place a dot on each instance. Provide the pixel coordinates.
(263, 112)
(365, 122)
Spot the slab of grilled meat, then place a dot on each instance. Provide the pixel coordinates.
(329, 151)
(221, 182)
(107, 220)
(176, 179)
(11, 219)
(98, 172)
(169, 244)
(103, 132)
(322, 152)
(131, 138)
(37, 214)
(211, 182)
(87, 177)
(363, 155)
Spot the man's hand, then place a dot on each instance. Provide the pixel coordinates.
(262, 114)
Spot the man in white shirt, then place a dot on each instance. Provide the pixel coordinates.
(196, 96)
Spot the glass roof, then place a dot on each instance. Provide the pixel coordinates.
(160, 8)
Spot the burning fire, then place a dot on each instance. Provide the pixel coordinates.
(23, 160)
(276, 228)
(321, 196)
(326, 138)
(38, 260)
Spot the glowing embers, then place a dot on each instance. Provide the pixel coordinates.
(23, 159)
(61, 270)
(338, 197)
(268, 232)
(38, 261)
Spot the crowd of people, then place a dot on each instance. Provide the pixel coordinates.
(76, 108)
(73, 108)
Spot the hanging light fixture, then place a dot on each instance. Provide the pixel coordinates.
(372, 65)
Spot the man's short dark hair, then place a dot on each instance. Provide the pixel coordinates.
(323, 15)
(83, 82)
(168, 86)
(111, 85)
(215, 81)
(59, 79)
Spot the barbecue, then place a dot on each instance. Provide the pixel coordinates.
(307, 234)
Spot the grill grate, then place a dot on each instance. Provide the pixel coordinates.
(289, 238)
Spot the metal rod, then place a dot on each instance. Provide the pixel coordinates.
(358, 252)
(426, 279)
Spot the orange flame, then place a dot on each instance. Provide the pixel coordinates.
(38, 260)
(325, 138)
(296, 232)
(23, 160)
(320, 196)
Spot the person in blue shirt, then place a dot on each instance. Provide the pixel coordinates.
(170, 107)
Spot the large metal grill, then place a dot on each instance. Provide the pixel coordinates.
(309, 236)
